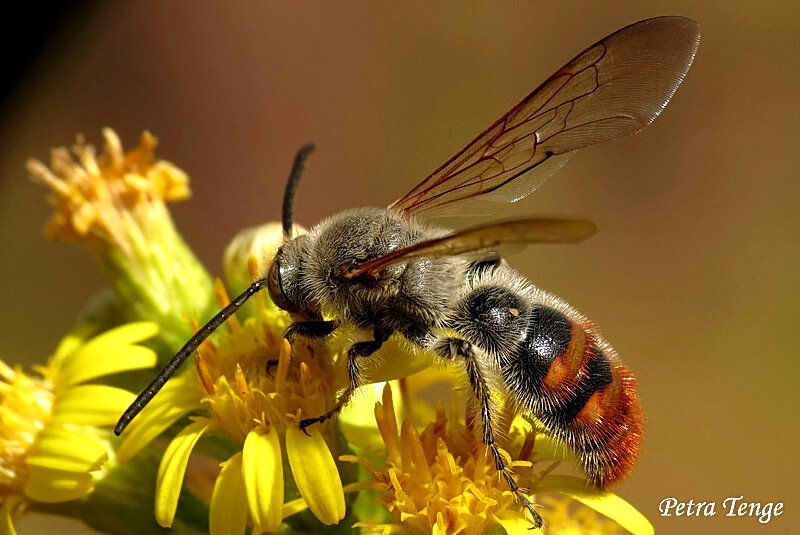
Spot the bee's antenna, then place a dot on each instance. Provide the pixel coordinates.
(291, 187)
(163, 376)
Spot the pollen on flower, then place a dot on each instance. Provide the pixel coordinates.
(96, 198)
(25, 406)
(443, 478)
(252, 377)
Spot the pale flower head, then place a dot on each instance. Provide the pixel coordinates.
(106, 199)
(115, 205)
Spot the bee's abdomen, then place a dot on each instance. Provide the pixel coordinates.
(573, 382)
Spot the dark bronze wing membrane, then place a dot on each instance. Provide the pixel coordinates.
(614, 88)
(483, 238)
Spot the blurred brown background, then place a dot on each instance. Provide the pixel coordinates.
(693, 275)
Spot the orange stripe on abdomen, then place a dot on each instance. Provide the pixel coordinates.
(610, 428)
(563, 373)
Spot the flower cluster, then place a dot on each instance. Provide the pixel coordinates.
(442, 479)
(221, 441)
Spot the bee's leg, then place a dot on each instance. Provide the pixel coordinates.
(356, 352)
(420, 335)
(271, 363)
(310, 329)
(306, 329)
(451, 348)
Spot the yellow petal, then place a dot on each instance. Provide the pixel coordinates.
(71, 342)
(603, 502)
(47, 485)
(293, 507)
(68, 451)
(262, 468)
(516, 524)
(130, 333)
(261, 243)
(228, 509)
(108, 353)
(172, 469)
(315, 474)
(357, 420)
(6, 523)
(7, 509)
(91, 405)
(545, 448)
(176, 399)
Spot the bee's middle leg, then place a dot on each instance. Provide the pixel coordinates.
(356, 352)
(451, 348)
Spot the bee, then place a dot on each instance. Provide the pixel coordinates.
(385, 271)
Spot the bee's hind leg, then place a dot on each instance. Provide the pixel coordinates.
(356, 352)
(451, 348)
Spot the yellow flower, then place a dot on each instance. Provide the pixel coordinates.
(250, 386)
(52, 449)
(442, 479)
(114, 204)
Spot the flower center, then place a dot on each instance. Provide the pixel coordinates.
(251, 377)
(443, 476)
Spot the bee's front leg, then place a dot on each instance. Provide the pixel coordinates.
(305, 329)
(310, 329)
(356, 352)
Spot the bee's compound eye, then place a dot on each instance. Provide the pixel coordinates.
(276, 292)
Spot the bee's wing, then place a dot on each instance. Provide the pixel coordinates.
(614, 88)
(483, 238)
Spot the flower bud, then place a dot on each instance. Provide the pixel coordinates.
(250, 253)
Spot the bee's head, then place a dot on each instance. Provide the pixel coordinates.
(284, 280)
